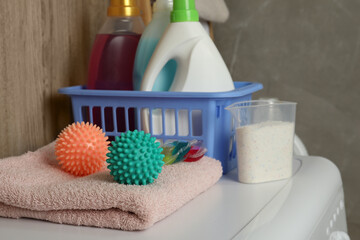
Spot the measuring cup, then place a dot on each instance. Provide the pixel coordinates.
(264, 139)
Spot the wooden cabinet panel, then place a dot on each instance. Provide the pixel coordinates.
(44, 45)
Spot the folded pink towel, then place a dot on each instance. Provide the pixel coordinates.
(33, 186)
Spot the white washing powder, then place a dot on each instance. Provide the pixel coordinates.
(265, 151)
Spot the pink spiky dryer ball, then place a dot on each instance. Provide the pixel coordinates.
(81, 149)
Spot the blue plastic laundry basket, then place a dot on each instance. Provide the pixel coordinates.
(217, 129)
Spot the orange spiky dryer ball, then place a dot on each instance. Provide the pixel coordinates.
(81, 149)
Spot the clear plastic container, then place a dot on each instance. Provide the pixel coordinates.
(264, 139)
(113, 53)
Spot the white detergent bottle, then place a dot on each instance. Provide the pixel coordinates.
(200, 67)
(148, 42)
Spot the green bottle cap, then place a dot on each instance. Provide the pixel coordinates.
(184, 11)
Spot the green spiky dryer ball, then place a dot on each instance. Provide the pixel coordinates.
(135, 158)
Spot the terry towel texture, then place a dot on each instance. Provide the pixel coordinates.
(33, 186)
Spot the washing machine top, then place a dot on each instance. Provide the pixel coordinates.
(228, 210)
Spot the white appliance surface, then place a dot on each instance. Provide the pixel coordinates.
(310, 205)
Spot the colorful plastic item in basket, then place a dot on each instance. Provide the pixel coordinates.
(195, 153)
(188, 151)
(214, 127)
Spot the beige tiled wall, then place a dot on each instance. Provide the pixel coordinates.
(306, 51)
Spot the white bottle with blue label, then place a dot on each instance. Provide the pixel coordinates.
(148, 42)
(200, 67)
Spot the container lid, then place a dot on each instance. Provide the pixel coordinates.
(123, 8)
(184, 11)
(163, 5)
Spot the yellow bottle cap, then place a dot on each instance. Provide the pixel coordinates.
(123, 8)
